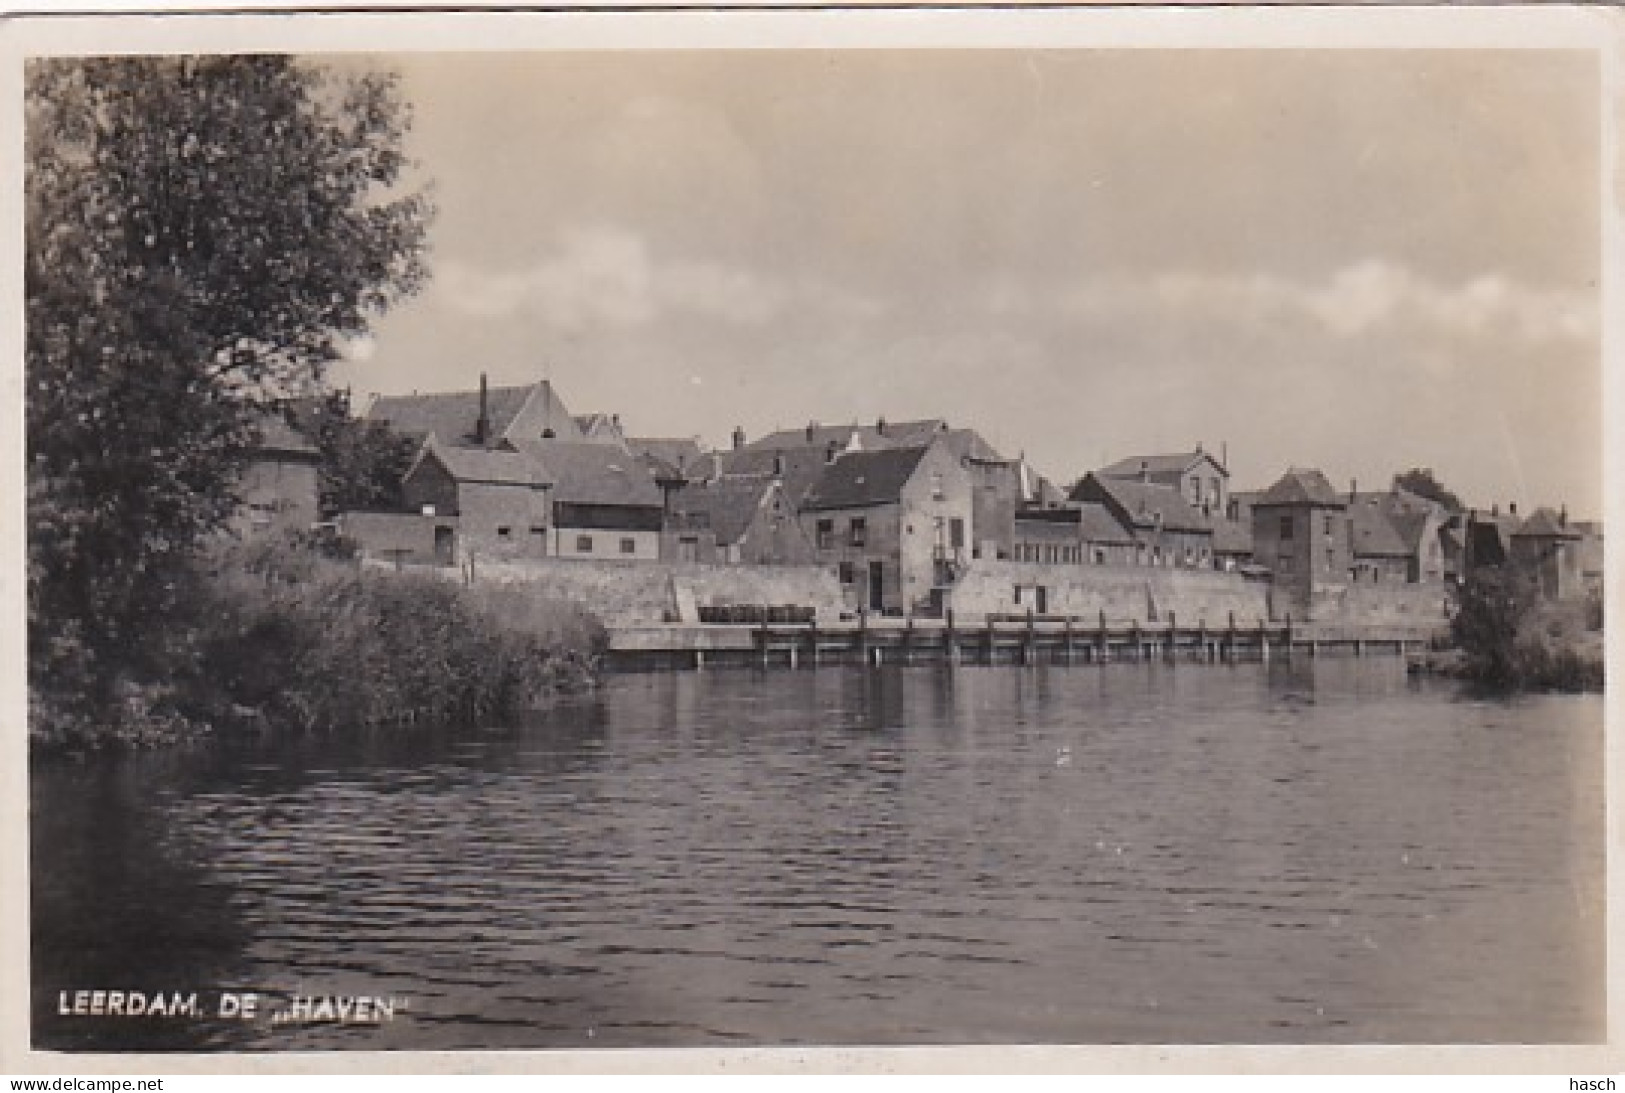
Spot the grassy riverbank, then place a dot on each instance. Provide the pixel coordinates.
(278, 638)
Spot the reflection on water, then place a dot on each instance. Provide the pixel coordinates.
(1316, 852)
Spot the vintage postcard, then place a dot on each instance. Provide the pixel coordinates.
(816, 532)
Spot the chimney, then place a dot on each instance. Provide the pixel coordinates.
(482, 425)
(1495, 509)
(615, 420)
(778, 465)
(812, 429)
(829, 451)
(880, 426)
(739, 437)
(1145, 470)
(1563, 516)
(1354, 490)
(1224, 454)
(1512, 507)
(1198, 447)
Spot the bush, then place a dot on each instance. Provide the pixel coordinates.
(1512, 639)
(280, 636)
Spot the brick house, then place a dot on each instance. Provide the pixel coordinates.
(485, 418)
(897, 524)
(1077, 533)
(1549, 548)
(737, 519)
(1300, 533)
(484, 504)
(1202, 481)
(1378, 554)
(279, 487)
(605, 503)
(1166, 530)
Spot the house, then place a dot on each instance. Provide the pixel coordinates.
(1378, 554)
(737, 519)
(1079, 533)
(1487, 538)
(279, 487)
(605, 504)
(485, 504)
(1549, 550)
(1167, 531)
(799, 456)
(1420, 523)
(601, 429)
(897, 523)
(1300, 533)
(1199, 478)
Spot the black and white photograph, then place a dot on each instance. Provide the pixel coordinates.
(580, 532)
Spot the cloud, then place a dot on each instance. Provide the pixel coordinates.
(605, 276)
(1363, 299)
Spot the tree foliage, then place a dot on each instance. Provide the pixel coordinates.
(1420, 481)
(363, 462)
(202, 235)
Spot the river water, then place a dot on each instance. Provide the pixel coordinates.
(1320, 852)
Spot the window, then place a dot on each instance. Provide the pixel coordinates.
(1018, 594)
(537, 529)
(584, 544)
(1331, 558)
(504, 532)
(956, 533)
(1331, 525)
(629, 546)
(936, 486)
(846, 572)
(1284, 564)
(1286, 527)
(826, 534)
(859, 532)
(1100, 555)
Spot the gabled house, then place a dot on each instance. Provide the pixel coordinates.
(279, 487)
(1073, 533)
(1420, 524)
(1199, 478)
(1378, 554)
(896, 523)
(487, 418)
(605, 504)
(482, 504)
(1167, 531)
(1300, 533)
(745, 519)
(1548, 549)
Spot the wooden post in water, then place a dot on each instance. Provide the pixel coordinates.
(1066, 637)
(1029, 647)
(1263, 641)
(863, 637)
(812, 641)
(908, 638)
(1100, 639)
(1289, 635)
(1230, 640)
(951, 651)
(1134, 639)
(1173, 636)
(1201, 639)
(991, 641)
(762, 638)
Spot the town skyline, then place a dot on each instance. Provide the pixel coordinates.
(1365, 261)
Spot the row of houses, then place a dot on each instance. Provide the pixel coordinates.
(896, 509)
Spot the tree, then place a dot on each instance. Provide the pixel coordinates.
(363, 462)
(1420, 481)
(202, 234)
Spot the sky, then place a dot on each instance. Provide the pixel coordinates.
(1357, 260)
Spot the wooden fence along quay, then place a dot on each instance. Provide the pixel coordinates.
(994, 639)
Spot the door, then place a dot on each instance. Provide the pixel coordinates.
(877, 586)
(1042, 606)
(445, 545)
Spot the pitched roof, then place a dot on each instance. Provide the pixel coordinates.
(483, 465)
(679, 453)
(1411, 526)
(894, 434)
(729, 504)
(1096, 524)
(860, 479)
(1301, 486)
(1545, 524)
(1372, 534)
(1232, 537)
(585, 472)
(279, 437)
(451, 415)
(1171, 464)
(1146, 504)
(797, 468)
